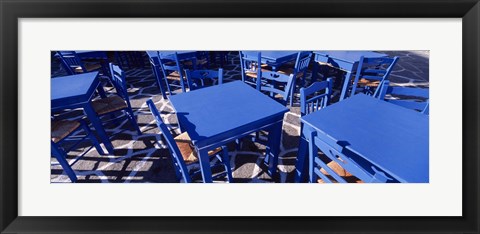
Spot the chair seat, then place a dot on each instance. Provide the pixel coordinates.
(89, 66)
(370, 83)
(288, 71)
(187, 149)
(253, 74)
(174, 76)
(62, 128)
(340, 171)
(108, 104)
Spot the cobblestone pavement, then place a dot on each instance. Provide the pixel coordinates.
(145, 158)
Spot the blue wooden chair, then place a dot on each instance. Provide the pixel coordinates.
(312, 98)
(196, 79)
(275, 84)
(61, 131)
(299, 71)
(172, 72)
(120, 102)
(409, 97)
(315, 97)
(249, 69)
(158, 73)
(182, 150)
(201, 61)
(72, 63)
(371, 73)
(344, 167)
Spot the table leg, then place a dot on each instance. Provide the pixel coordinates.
(314, 73)
(346, 82)
(301, 164)
(97, 124)
(273, 147)
(205, 165)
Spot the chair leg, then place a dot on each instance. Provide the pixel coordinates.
(292, 91)
(61, 158)
(133, 120)
(226, 163)
(92, 138)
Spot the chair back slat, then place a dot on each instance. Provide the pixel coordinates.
(172, 145)
(301, 64)
(195, 78)
(409, 97)
(316, 96)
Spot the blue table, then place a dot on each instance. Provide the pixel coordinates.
(216, 115)
(344, 60)
(77, 91)
(274, 58)
(393, 138)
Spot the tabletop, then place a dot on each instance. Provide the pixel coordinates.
(349, 56)
(72, 89)
(208, 113)
(392, 137)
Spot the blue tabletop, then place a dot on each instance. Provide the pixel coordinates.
(67, 90)
(391, 137)
(349, 56)
(211, 112)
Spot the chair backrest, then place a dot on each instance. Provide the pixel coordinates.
(119, 82)
(157, 70)
(374, 69)
(409, 97)
(195, 79)
(277, 83)
(170, 64)
(315, 97)
(301, 63)
(251, 64)
(172, 145)
(71, 61)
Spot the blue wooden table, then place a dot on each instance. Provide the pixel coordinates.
(344, 60)
(390, 137)
(77, 91)
(216, 115)
(274, 58)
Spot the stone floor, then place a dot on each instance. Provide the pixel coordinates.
(145, 159)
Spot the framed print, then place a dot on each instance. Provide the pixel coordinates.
(161, 92)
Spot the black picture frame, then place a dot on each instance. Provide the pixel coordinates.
(12, 10)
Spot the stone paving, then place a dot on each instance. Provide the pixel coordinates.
(145, 158)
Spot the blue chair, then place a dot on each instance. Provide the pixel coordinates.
(116, 103)
(299, 71)
(61, 130)
(158, 73)
(249, 69)
(172, 71)
(201, 61)
(72, 63)
(412, 98)
(312, 98)
(275, 84)
(315, 97)
(196, 79)
(371, 73)
(344, 167)
(182, 150)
